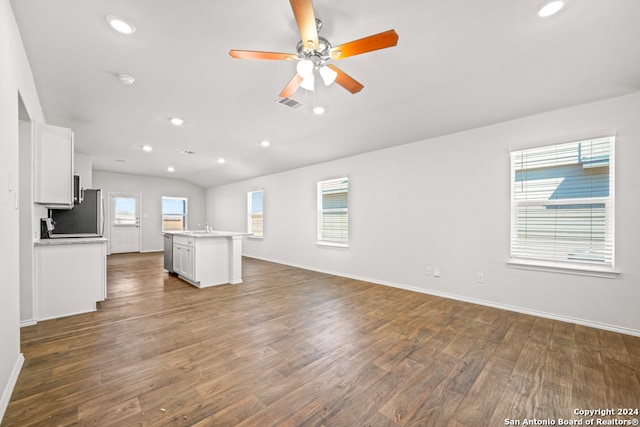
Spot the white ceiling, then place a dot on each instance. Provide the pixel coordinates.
(459, 64)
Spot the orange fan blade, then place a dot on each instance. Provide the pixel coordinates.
(306, 19)
(346, 81)
(250, 54)
(291, 87)
(364, 45)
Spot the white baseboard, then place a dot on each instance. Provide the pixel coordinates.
(11, 383)
(95, 308)
(561, 318)
(29, 322)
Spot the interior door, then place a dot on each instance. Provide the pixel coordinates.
(125, 223)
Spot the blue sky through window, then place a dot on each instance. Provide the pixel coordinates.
(173, 206)
(256, 201)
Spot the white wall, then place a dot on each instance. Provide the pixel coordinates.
(445, 203)
(15, 78)
(82, 166)
(152, 189)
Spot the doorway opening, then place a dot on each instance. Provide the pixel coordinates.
(27, 225)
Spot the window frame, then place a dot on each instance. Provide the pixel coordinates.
(321, 239)
(576, 266)
(250, 213)
(184, 216)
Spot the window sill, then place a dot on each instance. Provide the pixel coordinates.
(566, 268)
(252, 237)
(332, 244)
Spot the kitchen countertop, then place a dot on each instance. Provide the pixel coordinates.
(202, 234)
(70, 241)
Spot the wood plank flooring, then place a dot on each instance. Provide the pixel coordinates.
(290, 347)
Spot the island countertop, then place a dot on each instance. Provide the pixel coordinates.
(203, 234)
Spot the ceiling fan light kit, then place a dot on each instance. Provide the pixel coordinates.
(314, 52)
(328, 75)
(304, 68)
(308, 82)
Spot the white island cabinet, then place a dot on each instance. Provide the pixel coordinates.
(208, 258)
(70, 276)
(183, 256)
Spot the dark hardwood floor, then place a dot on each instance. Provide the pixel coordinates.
(290, 347)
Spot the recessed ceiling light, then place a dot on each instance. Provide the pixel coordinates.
(177, 121)
(221, 160)
(265, 143)
(147, 148)
(126, 79)
(550, 8)
(170, 169)
(120, 25)
(318, 110)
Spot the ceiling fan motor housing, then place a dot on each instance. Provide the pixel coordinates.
(318, 56)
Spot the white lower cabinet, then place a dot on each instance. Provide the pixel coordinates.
(70, 276)
(204, 261)
(184, 257)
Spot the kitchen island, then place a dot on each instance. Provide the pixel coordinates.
(207, 258)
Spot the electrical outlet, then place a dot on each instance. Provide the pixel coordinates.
(428, 271)
(480, 278)
(436, 271)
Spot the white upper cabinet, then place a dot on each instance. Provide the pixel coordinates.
(54, 166)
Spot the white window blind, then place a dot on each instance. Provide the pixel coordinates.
(255, 217)
(562, 205)
(333, 211)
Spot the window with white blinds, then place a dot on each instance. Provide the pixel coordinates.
(255, 215)
(562, 204)
(333, 211)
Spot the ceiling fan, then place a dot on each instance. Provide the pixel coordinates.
(314, 52)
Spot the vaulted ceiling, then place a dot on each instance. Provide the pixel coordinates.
(459, 64)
